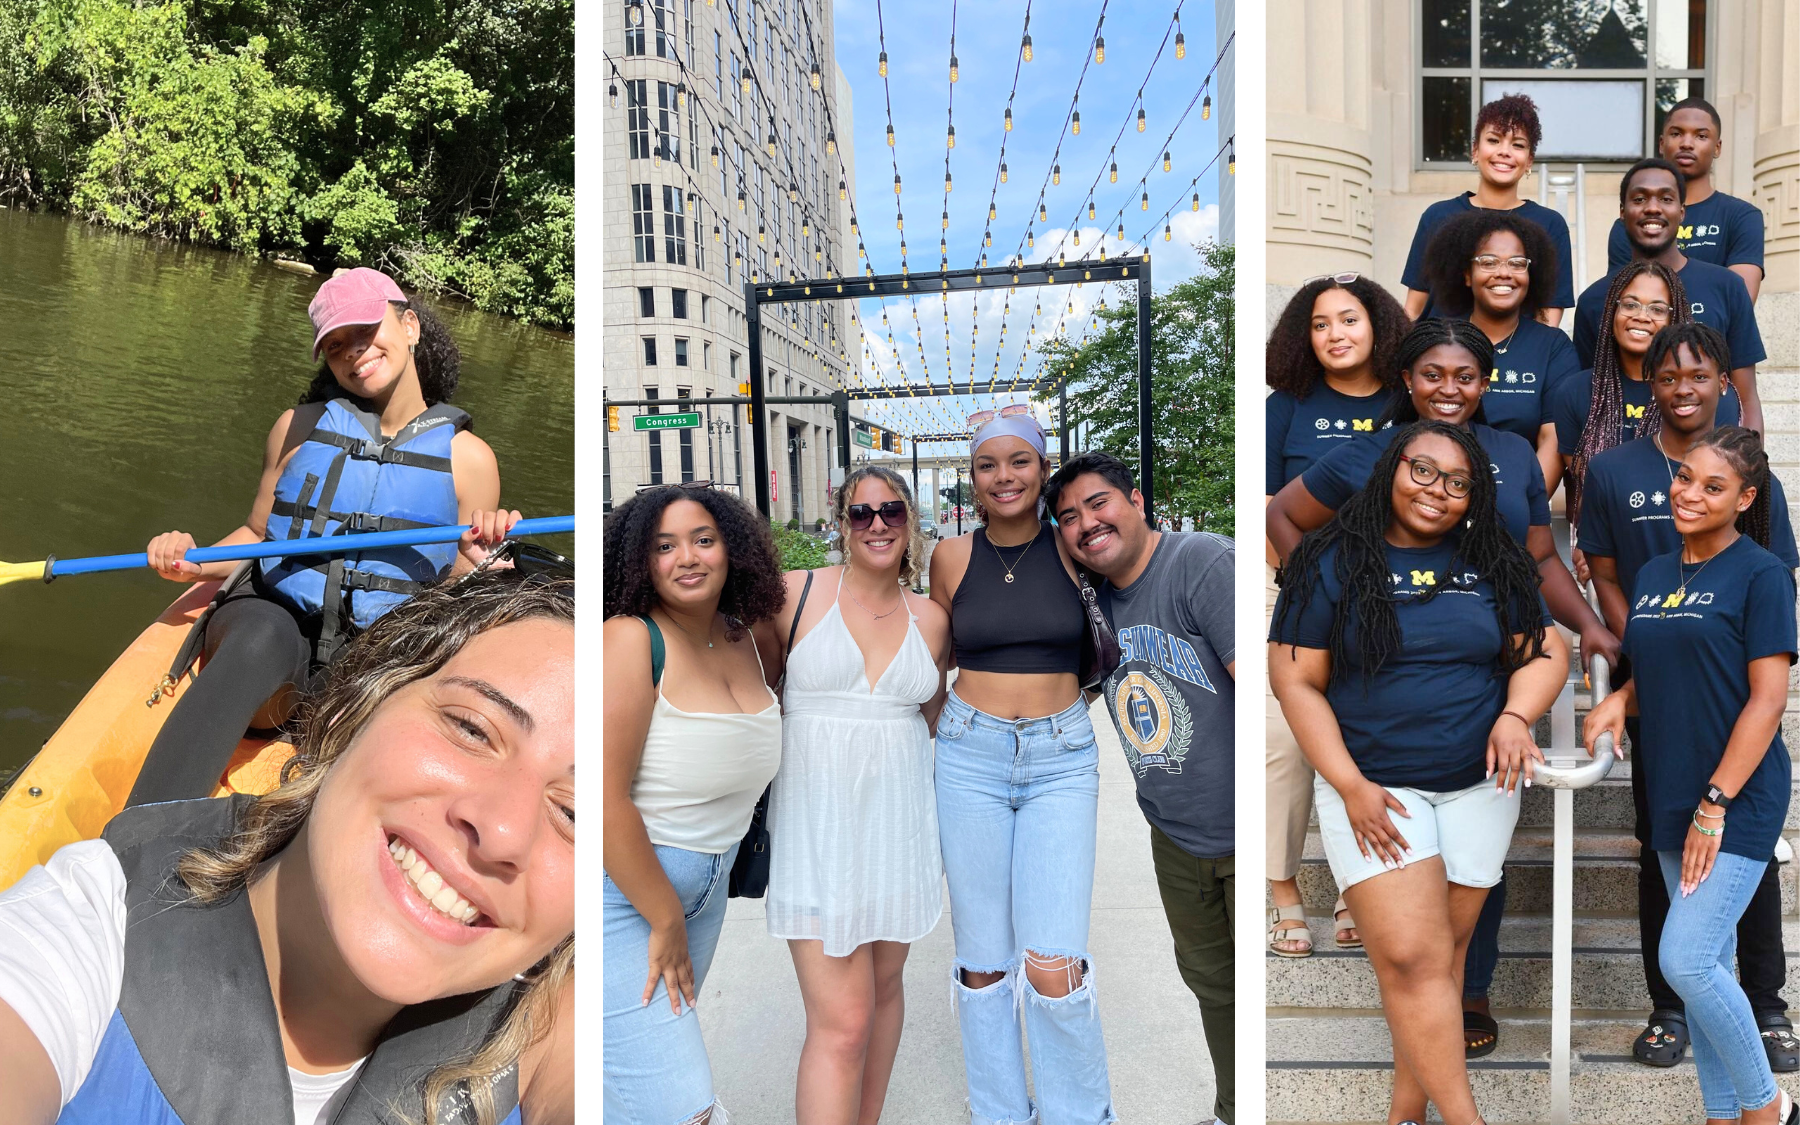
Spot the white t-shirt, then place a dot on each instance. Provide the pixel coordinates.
(62, 967)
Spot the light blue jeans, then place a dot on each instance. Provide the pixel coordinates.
(1016, 816)
(1699, 940)
(656, 1071)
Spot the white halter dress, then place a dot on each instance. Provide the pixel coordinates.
(853, 816)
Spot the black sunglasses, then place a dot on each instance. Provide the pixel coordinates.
(892, 513)
(526, 562)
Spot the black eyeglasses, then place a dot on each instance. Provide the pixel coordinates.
(1424, 473)
(892, 513)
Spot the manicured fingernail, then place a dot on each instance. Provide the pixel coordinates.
(1528, 783)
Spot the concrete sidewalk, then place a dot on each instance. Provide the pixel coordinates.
(1161, 1073)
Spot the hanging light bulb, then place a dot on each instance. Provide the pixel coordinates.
(637, 13)
(987, 239)
(1029, 240)
(690, 203)
(1056, 173)
(1166, 161)
(717, 237)
(746, 81)
(1230, 158)
(806, 229)
(843, 192)
(1078, 238)
(1121, 231)
(953, 68)
(1140, 119)
(815, 76)
(771, 144)
(900, 224)
(950, 138)
(943, 248)
(793, 192)
(1090, 206)
(1025, 48)
(1009, 119)
(946, 220)
(1075, 124)
(1099, 49)
(1061, 260)
(612, 97)
(1103, 252)
(761, 233)
(890, 136)
(896, 183)
(740, 199)
(992, 214)
(853, 229)
(1145, 205)
(946, 183)
(656, 155)
(1113, 175)
(681, 95)
(1206, 108)
(1196, 201)
(882, 65)
(818, 254)
(1167, 233)
(1180, 44)
(1043, 212)
(1003, 171)
(715, 156)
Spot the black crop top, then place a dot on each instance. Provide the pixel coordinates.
(1032, 624)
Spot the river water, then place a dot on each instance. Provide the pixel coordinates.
(138, 381)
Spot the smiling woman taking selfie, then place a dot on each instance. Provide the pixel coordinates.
(391, 928)
(692, 738)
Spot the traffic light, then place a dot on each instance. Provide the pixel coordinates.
(612, 419)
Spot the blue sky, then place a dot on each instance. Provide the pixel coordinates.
(917, 35)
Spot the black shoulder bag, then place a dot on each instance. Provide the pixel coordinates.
(750, 871)
(1100, 652)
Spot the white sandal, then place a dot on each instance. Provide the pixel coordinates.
(1289, 921)
(1343, 919)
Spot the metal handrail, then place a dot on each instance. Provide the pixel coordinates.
(1577, 770)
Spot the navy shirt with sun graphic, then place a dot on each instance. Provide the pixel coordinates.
(1302, 430)
(1172, 699)
(1422, 720)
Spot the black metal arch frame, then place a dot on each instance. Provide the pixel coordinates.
(758, 294)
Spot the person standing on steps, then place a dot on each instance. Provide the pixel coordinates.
(1330, 368)
(1412, 655)
(1717, 228)
(1625, 522)
(1018, 789)
(1711, 639)
(1168, 596)
(1652, 211)
(854, 870)
(1507, 133)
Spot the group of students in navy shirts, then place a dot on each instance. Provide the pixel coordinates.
(1412, 453)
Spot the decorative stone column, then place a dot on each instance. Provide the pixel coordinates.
(1775, 177)
(1321, 211)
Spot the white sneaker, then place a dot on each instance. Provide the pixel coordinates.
(1784, 851)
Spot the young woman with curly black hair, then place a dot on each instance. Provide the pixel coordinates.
(1711, 639)
(1412, 655)
(692, 738)
(1330, 369)
(1507, 132)
(1498, 271)
(374, 445)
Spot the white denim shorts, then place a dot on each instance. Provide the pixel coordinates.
(1470, 828)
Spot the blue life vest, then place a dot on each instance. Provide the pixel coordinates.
(195, 1039)
(346, 478)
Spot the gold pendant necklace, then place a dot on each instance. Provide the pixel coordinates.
(1015, 562)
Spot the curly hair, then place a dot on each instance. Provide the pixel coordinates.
(435, 357)
(410, 643)
(1359, 533)
(1430, 333)
(1457, 242)
(1514, 113)
(912, 561)
(1743, 450)
(1290, 364)
(1606, 408)
(753, 588)
(1645, 164)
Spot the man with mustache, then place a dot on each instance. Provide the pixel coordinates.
(1168, 596)
(1652, 208)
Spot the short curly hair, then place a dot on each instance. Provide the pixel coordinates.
(1459, 240)
(753, 592)
(436, 358)
(1291, 365)
(1514, 113)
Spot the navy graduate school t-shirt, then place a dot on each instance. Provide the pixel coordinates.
(1690, 659)
(1171, 699)
(1721, 229)
(1718, 299)
(1441, 212)
(1423, 720)
(1536, 359)
(1625, 510)
(1518, 478)
(1302, 430)
(1571, 400)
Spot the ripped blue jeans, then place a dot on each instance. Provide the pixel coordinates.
(1016, 817)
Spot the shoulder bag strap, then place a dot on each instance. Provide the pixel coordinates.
(798, 610)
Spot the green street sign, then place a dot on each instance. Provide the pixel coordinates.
(862, 438)
(666, 421)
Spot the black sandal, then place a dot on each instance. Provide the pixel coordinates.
(1664, 1041)
(1780, 1042)
(1481, 1034)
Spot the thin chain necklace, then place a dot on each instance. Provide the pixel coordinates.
(690, 636)
(1681, 569)
(1500, 349)
(872, 613)
(1017, 561)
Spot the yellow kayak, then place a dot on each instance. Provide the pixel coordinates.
(84, 773)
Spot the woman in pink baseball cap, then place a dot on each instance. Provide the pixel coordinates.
(374, 445)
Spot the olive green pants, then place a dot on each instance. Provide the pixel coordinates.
(1197, 898)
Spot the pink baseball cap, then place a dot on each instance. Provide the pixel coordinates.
(358, 296)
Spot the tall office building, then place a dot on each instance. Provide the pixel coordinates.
(723, 165)
(1225, 85)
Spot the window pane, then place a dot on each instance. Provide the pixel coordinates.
(681, 351)
(1446, 119)
(1671, 90)
(1445, 28)
(1564, 34)
(678, 303)
(646, 301)
(1582, 119)
(1681, 34)
(649, 351)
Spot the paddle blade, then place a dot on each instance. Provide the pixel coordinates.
(20, 572)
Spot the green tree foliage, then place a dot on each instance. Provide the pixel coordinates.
(1191, 357)
(433, 139)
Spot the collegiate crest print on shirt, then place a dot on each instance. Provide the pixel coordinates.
(1158, 728)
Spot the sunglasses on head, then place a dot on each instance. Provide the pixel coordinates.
(1339, 278)
(526, 562)
(892, 513)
